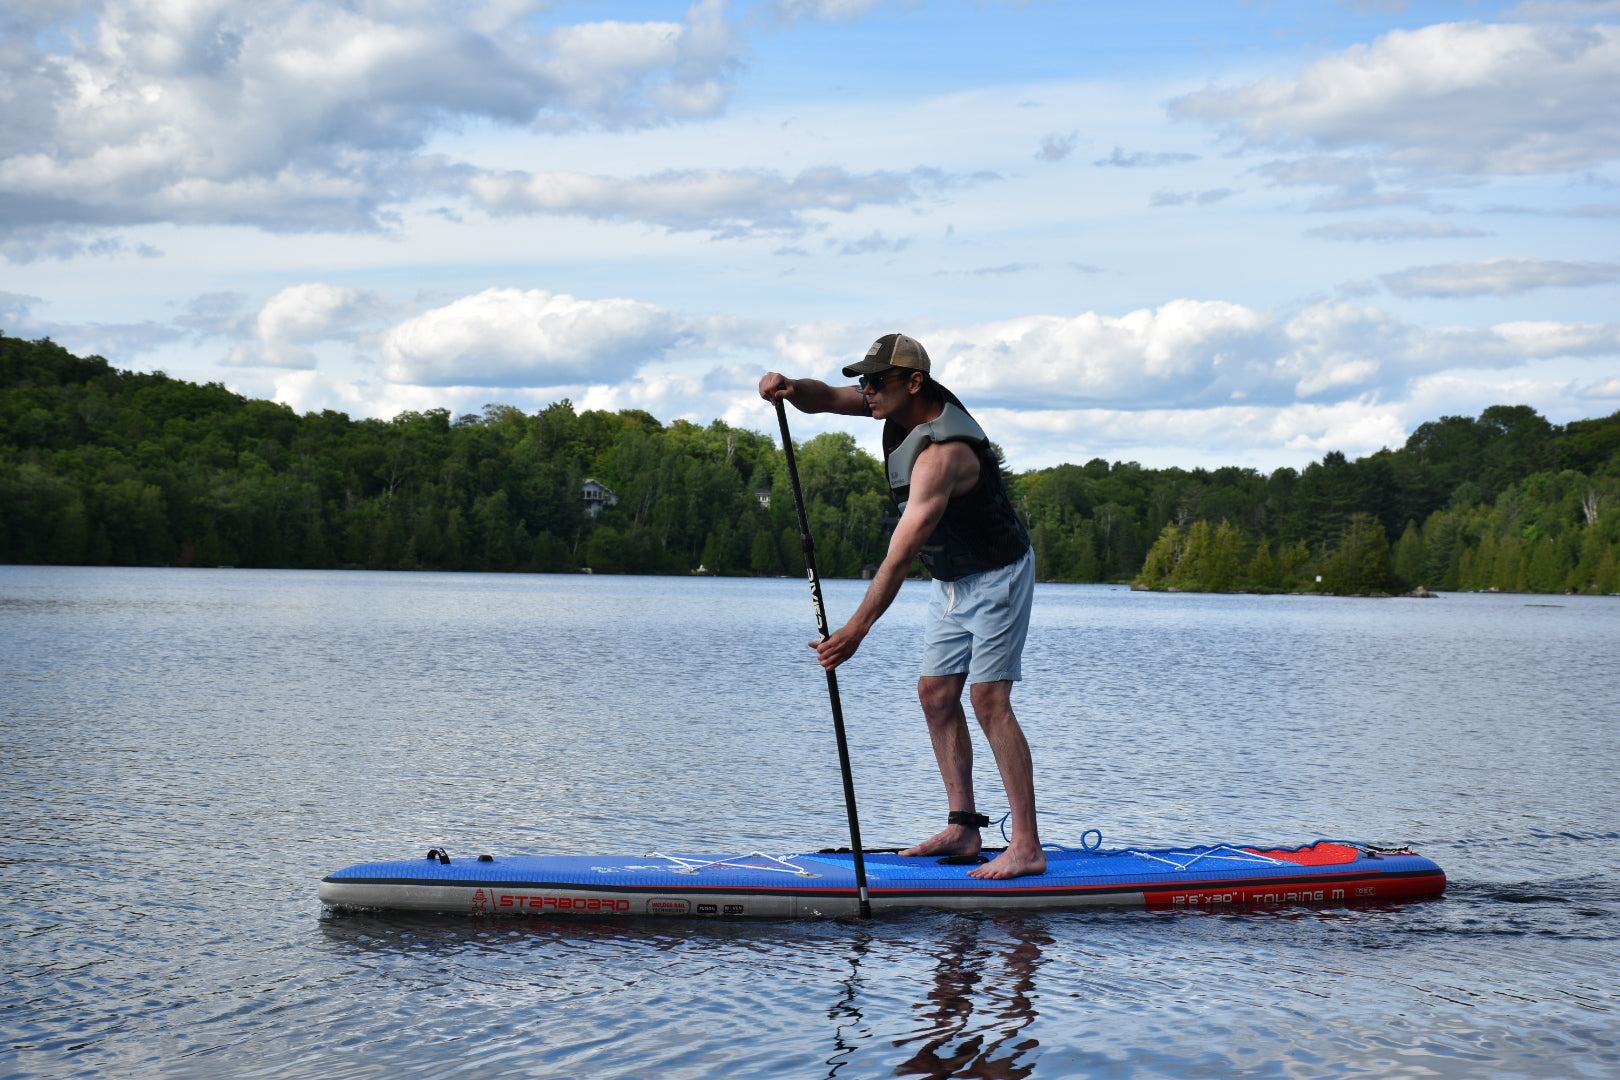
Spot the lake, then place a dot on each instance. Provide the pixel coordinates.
(187, 752)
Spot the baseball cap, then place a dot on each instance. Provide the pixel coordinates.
(890, 351)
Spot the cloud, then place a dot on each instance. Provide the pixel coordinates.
(1142, 159)
(290, 322)
(311, 390)
(28, 243)
(787, 12)
(113, 340)
(1394, 230)
(295, 115)
(1195, 354)
(1497, 277)
(1453, 98)
(725, 201)
(1219, 436)
(1055, 147)
(1352, 178)
(528, 338)
(988, 271)
(14, 310)
(872, 243)
(1181, 198)
(216, 314)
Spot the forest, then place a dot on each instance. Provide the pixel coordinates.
(102, 466)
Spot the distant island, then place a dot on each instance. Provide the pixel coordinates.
(102, 466)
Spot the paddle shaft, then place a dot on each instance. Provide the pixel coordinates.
(809, 545)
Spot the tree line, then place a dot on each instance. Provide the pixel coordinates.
(110, 467)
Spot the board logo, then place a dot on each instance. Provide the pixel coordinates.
(734, 909)
(480, 903)
(564, 903)
(667, 906)
(707, 909)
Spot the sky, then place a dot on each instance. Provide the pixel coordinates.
(1177, 232)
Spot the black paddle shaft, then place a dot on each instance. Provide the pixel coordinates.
(832, 676)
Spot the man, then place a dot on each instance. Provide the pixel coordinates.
(955, 514)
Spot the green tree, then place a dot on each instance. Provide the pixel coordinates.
(1361, 564)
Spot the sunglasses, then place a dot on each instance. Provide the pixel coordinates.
(873, 384)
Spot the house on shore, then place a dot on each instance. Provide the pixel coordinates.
(598, 495)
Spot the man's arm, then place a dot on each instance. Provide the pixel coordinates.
(813, 395)
(942, 470)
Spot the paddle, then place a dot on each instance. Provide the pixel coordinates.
(832, 676)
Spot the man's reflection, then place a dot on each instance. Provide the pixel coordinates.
(980, 1002)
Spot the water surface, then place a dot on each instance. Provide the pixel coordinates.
(186, 753)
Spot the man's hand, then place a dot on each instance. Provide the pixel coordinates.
(775, 386)
(840, 646)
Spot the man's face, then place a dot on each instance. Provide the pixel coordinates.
(885, 391)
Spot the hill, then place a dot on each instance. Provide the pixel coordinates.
(110, 467)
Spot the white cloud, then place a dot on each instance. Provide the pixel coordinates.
(1394, 230)
(311, 114)
(1198, 354)
(728, 201)
(312, 390)
(1224, 435)
(1460, 98)
(528, 338)
(1497, 277)
(294, 319)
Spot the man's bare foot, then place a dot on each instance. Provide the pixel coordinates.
(952, 840)
(1016, 861)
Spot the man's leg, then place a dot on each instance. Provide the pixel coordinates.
(941, 697)
(992, 704)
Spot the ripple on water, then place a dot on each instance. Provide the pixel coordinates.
(187, 753)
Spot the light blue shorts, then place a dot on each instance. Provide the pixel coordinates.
(978, 624)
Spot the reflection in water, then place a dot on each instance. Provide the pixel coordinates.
(851, 1030)
(980, 1001)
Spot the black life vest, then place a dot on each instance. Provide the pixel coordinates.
(980, 531)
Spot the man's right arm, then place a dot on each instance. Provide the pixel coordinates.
(813, 395)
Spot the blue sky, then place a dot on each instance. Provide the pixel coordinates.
(1178, 233)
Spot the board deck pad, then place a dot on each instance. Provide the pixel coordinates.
(823, 883)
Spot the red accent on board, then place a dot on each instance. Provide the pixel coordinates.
(1318, 854)
(1369, 888)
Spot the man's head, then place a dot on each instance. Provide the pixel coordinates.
(894, 371)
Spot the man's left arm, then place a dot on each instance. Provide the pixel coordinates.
(939, 470)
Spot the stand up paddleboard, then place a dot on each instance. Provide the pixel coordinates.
(853, 881)
(824, 884)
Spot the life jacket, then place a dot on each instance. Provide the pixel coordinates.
(980, 530)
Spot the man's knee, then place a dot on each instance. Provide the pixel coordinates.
(992, 702)
(940, 695)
